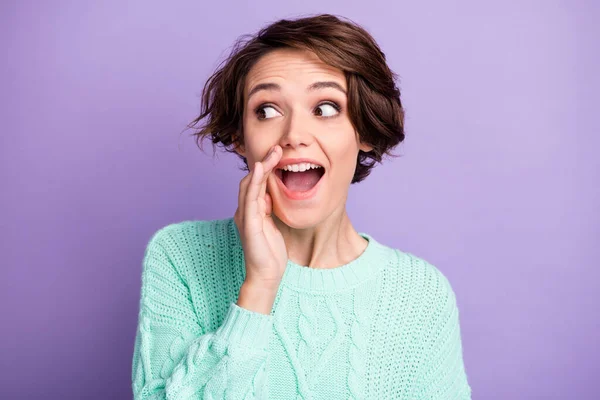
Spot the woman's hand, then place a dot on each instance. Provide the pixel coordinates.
(265, 252)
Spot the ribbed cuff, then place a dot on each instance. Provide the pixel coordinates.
(242, 327)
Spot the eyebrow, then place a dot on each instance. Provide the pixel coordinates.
(314, 86)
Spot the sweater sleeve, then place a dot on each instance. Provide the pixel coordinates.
(443, 375)
(175, 358)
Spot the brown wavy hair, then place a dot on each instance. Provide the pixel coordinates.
(374, 105)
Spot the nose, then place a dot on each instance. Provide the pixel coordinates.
(296, 132)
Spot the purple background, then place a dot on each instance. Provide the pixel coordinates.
(498, 184)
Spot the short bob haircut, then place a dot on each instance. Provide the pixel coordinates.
(374, 105)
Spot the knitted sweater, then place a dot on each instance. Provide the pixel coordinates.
(384, 326)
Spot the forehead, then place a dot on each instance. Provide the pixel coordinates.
(293, 66)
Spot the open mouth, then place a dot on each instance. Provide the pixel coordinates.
(300, 181)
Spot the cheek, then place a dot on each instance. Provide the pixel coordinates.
(258, 139)
(343, 156)
(344, 148)
(251, 145)
(349, 160)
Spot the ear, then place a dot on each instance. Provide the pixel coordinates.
(238, 146)
(365, 147)
(362, 145)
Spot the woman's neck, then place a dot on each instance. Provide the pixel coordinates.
(332, 243)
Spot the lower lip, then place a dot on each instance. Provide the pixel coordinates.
(292, 195)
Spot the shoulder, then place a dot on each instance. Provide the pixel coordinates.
(194, 238)
(422, 297)
(193, 243)
(183, 234)
(424, 283)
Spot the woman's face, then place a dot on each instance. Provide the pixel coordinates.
(304, 110)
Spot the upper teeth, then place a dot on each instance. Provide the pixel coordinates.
(300, 167)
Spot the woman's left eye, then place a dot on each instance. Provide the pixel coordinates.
(327, 110)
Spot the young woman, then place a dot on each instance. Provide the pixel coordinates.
(286, 300)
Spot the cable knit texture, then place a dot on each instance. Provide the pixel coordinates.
(384, 326)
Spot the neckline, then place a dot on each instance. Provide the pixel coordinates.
(338, 278)
(346, 276)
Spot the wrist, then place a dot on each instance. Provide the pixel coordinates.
(260, 285)
(257, 297)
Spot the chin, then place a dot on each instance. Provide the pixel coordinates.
(298, 218)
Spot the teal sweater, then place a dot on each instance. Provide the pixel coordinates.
(384, 326)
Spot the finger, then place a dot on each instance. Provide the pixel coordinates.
(251, 204)
(243, 187)
(272, 158)
(256, 182)
(269, 163)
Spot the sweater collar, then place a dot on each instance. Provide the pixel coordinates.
(346, 276)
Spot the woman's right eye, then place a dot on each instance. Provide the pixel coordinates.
(264, 112)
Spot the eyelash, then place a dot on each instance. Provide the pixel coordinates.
(331, 103)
